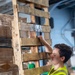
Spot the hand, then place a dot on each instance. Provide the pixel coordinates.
(41, 38)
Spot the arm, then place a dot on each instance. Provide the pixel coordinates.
(45, 43)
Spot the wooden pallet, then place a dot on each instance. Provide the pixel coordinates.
(23, 34)
(30, 9)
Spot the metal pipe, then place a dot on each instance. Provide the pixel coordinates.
(74, 23)
(69, 29)
(63, 34)
(56, 5)
(53, 1)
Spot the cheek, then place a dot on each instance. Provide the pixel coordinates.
(56, 60)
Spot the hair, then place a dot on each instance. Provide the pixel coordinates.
(64, 50)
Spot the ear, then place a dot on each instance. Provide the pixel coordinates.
(62, 58)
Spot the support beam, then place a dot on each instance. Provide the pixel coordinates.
(33, 35)
(47, 35)
(46, 19)
(16, 39)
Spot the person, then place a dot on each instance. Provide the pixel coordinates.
(60, 55)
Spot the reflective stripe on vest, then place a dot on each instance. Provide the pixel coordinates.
(61, 72)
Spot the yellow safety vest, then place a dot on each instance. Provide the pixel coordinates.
(59, 71)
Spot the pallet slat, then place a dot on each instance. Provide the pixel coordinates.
(37, 71)
(5, 31)
(32, 27)
(25, 27)
(31, 42)
(44, 3)
(36, 56)
(6, 55)
(7, 67)
(5, 20)
(33, 11)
